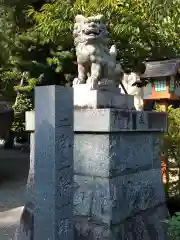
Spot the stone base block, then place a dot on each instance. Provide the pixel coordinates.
(114, 120)
(107, 201)
(116, 154)
(145, 226)
(102, 98)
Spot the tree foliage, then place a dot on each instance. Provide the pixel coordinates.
(174, 227)
(143, 29)
(171, 148)
(36, 36)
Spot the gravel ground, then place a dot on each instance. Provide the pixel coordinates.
(14, 165)
(11, 206)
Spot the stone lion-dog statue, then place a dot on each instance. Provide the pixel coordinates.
(96, 62)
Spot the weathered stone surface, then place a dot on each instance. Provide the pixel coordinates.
(145, 226)
(109, 119)
(64, 146)
(157, 120)
(115, 154)
(118, 120)
(141, 120)
(64, 223)
(131, 152)
(84, 97)
(157, 141)
(117, 175)
(26, 229)
(62, 220)
(30, 181)
(91, 154)
(92, 120)
(113, 200)
(83, 195)
(87, 230)
(64, 185)
(53, 163)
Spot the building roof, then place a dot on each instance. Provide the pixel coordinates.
(161, 68)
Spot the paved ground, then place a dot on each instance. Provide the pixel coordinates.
(15, 165)
(11, 205)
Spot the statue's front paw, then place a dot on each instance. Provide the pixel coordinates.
(78, 81)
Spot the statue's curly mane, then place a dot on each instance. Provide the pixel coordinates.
(96, 62)
(82, 25)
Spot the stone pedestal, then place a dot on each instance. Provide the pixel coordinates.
(104, 97)
(118, 189)
(116, 170)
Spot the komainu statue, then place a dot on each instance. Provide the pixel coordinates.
(96, 62)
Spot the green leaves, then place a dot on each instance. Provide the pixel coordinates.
(144, 29)
(174, 227)
(171, 148)
(32, 36)
(22, 104)
(54, 20)
(172, 137)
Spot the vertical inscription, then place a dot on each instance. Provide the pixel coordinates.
(64, 187)
(142, 120)
(63, 227)
(64, 139)
(120, 119)
(64, 176)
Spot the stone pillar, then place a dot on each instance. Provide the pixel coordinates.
(51, 170)
(30, 127)
(118, 189)
(26, 229)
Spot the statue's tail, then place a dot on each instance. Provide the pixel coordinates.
(113, 52)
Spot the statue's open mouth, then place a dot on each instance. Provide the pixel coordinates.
(92, 32)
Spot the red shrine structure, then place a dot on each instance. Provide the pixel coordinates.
(164, 89)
